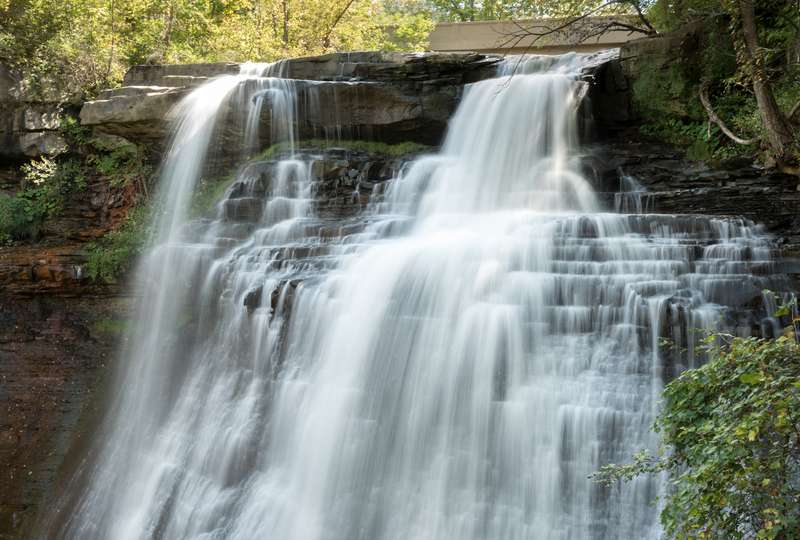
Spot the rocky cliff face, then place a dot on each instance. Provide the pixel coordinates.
(58, 332)
(58, 329)
(55, 353)
(389, 97)
(28, 123)
(378, 96)
(733, 188)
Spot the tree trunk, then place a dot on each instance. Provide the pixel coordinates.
(167, 38)
(285, 5)
(326, 40)
(779, 133)
(113, 42)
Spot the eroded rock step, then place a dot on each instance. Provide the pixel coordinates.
(611, 277)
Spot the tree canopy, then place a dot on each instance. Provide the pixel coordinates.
(83, 45)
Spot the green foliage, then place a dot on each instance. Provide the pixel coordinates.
(113, 255)
(371, 147)
(665, 92)
(208, 193)
(18, 219)
(73, 132)
(491, 10)
(703, 141)
(121, 163)
(731, 430)
(666, 98)
(46, 183)
(70, 49)
(109, 327)
(118, 161)
(407, 31)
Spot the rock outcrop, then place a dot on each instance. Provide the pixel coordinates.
(57, 328)
(387, 97)
(28, 125)
(382, 96)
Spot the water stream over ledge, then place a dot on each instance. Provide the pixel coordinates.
(452, 363)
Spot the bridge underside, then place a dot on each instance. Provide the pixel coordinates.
(517, 37)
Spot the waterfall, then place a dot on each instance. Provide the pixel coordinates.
(453, 364)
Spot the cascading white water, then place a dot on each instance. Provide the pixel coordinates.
(455, 369)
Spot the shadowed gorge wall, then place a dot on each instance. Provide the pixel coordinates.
(305, 210)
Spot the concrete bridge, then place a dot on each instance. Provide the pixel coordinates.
(508, 37)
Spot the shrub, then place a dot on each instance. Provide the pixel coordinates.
(18, 219)
(118, 161)
(45, 185)
(114, 254)
(731, 431)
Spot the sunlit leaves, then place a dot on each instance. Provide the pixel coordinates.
(730, 432)
(81, 46)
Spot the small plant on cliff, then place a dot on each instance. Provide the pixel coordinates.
(45, 185)
(208, 193)
(395, 150)
(73, 132)
(113, 255)
(731, 432)
(15, 219)
(120, 162)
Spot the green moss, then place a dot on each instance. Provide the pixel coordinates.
(109, 327)
(113, 255)
(372, 147)
(208, 193)
(661, 91)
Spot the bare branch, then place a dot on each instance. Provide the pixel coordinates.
(717, 120)
(326, 41)
(534, 31)
(794, 113)
(641, 15)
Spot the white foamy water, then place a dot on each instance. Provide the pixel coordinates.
(452, 365)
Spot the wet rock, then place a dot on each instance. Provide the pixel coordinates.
(390, 97)
(252, 300)
(679, 186)
(384, 96)
(244, 209)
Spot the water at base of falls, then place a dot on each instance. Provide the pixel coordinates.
(453, 366)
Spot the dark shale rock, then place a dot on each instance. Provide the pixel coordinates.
(55, 358)
(53, 349)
